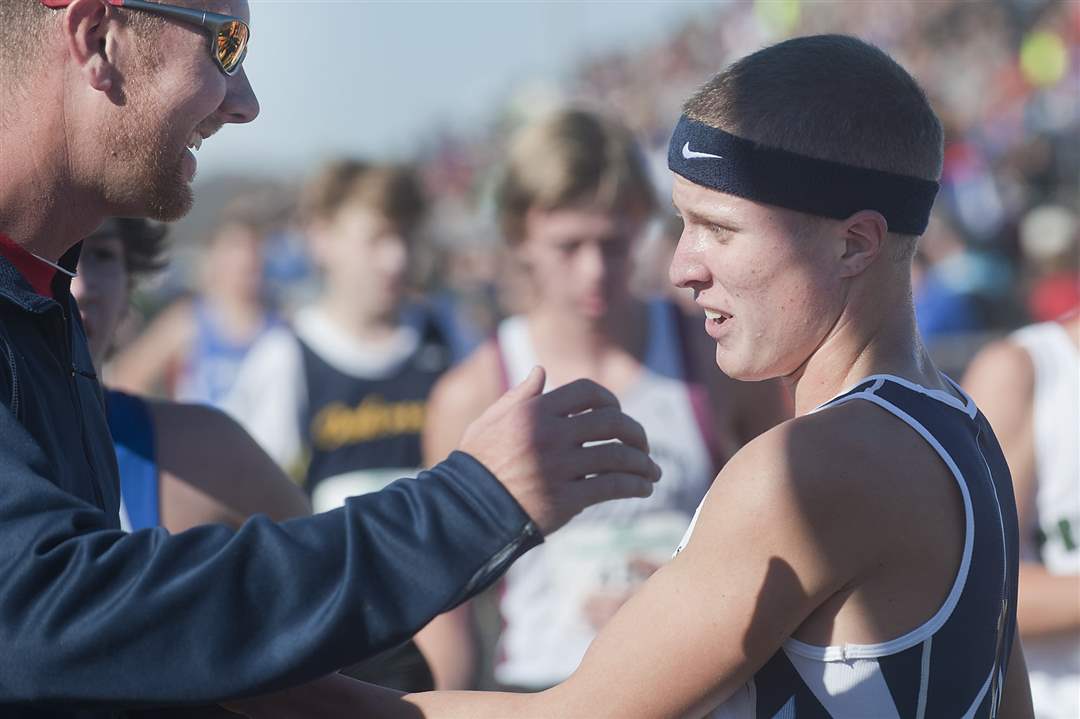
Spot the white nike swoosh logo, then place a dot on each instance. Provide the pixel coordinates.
(690, 154)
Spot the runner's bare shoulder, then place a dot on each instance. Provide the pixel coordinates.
(460, 396)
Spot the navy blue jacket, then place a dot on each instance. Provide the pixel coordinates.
(94, 621)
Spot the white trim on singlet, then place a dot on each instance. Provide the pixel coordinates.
(967, 405)
(844, 652)
(924, 679)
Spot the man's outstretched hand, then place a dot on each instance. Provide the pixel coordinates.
(533, 443)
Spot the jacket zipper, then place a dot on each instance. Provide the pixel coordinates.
(14, 381)
(68, 367)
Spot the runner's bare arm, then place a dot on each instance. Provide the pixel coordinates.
(703, 624)
(141, 367)
(460, 396)
(213, 471)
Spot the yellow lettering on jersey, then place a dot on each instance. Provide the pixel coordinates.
(374, 418)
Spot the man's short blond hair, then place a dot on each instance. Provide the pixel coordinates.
(571, 158)
(23, 24)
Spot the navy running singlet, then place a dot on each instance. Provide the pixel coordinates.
(954, 664)
(363, 432)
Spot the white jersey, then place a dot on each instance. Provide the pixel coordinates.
(1054, 662)
(602, 552)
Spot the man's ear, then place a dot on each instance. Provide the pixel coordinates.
(865, 234)
(87, 25)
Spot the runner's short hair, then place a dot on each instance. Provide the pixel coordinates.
(393, 191)
(571, 158)
(833, 97)
(143, 241)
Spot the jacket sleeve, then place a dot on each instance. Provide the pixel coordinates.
(92, 614)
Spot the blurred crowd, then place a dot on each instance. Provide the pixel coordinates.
(1002, 247)
(1002, 75)
(1001, 250)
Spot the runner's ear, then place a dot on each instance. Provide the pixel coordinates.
(864, 235)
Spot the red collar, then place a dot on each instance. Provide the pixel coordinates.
(37, 272)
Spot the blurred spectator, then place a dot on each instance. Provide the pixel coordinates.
(1028, 385)
(956, 289)
(1003, 75)
(1049, 240)
(573, 202)
(181, 465)
(339, 397)
(652, 262)
(194, 348)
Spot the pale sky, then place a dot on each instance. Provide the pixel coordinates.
(369, 78)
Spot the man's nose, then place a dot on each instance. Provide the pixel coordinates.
(687, 267)
(240, 104)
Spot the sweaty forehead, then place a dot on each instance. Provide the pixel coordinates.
(706, 205)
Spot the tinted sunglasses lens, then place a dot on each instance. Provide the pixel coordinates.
(232, 40)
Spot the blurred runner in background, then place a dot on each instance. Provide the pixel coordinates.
(193, 349)
(339, 397)
(181, 465)
(1028, 385)
(573, 203)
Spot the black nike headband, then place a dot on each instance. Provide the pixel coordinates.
(721, 161)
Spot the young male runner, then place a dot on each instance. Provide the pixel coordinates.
(338, 398)
(102, 98)
(861, 559)
(1029, 386)
(573, 202)
(193, 348)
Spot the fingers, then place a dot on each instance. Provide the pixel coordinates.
(607, 423)
(610, 486)
(578, 396)
(612, 458)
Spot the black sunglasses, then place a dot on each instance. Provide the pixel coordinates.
(228, 35)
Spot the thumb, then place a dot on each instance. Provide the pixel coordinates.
(531, 386)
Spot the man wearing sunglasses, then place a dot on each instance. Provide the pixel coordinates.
(103, 101)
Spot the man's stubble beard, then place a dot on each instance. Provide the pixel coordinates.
(147, 179)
